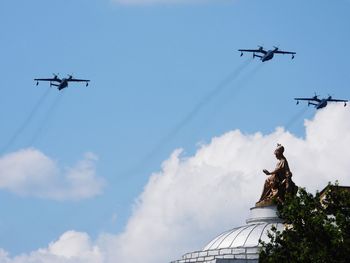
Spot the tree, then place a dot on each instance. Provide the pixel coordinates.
(317, 228)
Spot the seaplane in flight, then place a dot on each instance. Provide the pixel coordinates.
(320, 103)
(266, 55)
(62, 83)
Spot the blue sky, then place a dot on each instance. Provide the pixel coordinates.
(151, 65)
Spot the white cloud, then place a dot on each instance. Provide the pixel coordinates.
(71, 247)
(193, 199)
(30, 172)
(152, 2)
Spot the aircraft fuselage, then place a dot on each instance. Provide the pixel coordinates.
(62, 84)
(267, 56)
(322, 104)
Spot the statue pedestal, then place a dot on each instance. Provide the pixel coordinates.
(263, 214)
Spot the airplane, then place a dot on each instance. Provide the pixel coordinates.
(320, 103)
(62, 83)
(266, 54)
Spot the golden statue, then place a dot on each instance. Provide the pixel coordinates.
(279, 183)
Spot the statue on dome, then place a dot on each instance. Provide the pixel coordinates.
(279, 183)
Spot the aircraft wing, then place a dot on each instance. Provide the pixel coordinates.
(284, 52)
(336, 100)
(50, 79)
(253, 50)
(308, 99)
(78, 80)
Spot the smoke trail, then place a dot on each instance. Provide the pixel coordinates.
(47, 118)
(296, 117)
(25, 123)
(204, 101)
(241, 83)
(248, 76)
(234, 90)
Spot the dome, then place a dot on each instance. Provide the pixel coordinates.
(240, 244)
(241, 237)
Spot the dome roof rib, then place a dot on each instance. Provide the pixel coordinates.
(249, 234)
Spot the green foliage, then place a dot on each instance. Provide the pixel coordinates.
(316, 231)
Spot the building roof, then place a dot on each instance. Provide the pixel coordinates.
(240, 243)
(244, 236)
